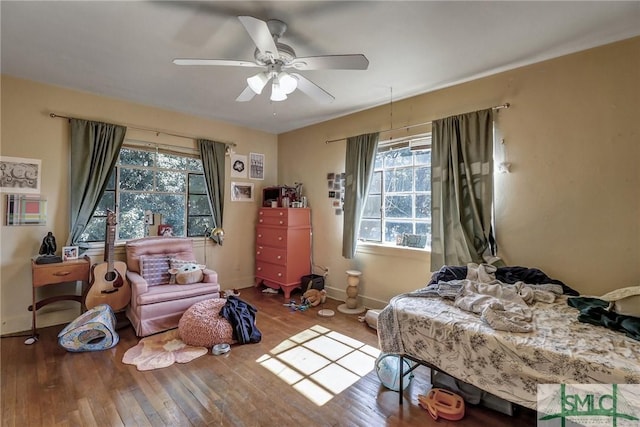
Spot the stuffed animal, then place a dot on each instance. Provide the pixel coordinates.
(188, 274)
(314, 297)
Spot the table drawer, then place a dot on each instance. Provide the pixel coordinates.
(49, 274)
(298, 217)
(272, 255)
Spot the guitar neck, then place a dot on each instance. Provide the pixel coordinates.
(108, 247)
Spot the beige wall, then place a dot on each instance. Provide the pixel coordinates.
(571, 205)
(28, 131)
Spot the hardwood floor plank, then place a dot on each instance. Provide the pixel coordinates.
(45, 385)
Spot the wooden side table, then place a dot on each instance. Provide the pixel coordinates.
(52, 274)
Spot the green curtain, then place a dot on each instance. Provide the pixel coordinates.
(359, 162)
(94, 151)
(213, 157)
(462, 189)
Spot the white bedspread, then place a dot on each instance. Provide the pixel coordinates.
(510, 365)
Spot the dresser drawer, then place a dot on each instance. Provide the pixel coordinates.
(284, 217)
(271, 236)
(272, 255)
(274, 272)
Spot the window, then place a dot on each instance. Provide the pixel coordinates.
(398, 207)
(168, 184)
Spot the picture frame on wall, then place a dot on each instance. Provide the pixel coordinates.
(238, 166)
(242, 192)
(69, 252)
(20, 175)
(256, 166)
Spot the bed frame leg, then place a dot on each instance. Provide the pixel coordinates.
(401, 367)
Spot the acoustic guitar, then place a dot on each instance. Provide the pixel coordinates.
(108, 283)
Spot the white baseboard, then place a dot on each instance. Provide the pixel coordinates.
(339, 294)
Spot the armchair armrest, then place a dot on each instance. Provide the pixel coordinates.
(209, 276)
(138, 283)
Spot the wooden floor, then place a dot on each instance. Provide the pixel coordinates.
(43, 385)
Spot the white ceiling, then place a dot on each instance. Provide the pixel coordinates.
(124, 49)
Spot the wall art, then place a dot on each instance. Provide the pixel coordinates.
(241, 192)
(26, 210)
(20, 175)
(256, 166)
(238, 166)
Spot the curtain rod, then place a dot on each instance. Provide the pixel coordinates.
(157, 132)
(497, 107)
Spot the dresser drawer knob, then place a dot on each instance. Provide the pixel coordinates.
(281, 222)
(260, 236)
(281, 213)
(279, 237)
(279, 274)
(279, 257)
(258, 253)
(260, 220)
(259, 268)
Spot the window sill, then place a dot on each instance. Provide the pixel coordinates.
(393, 250)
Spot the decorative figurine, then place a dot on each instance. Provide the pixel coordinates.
(48, 250)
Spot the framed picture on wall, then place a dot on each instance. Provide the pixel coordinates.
(238, 166)
(241, 192)
(20, 175)
(256, 166)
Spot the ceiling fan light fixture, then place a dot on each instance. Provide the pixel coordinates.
(258, 82)
(277, 92)
(288, 83)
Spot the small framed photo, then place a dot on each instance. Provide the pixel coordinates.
(165, 230)
(242, 192)
(69, 252)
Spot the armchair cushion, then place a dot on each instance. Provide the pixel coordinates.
(155, 269)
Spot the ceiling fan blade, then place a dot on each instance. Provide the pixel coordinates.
(313, 90)
(223, 62)
(331, 62)
(246, 95)
(261, 36)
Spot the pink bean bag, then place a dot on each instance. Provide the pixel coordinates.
(202, 326)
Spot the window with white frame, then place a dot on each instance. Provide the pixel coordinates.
(166, 183)
(398, 206)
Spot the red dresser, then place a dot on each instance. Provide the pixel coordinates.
(283, 247)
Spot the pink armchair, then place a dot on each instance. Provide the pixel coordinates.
(155, 304)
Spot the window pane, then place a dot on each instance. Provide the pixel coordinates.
(172, 208)
(423, 206)
(424, 228)
(95, 231)
(422, 157)
(135, 157)
(171, 182)
(196, 226)
(131, 216)
(398, 180)
(398, 206)
(171, 161)
(393, 230)
(194, 164)
(376, 183)
(136, 179)
(372, 207)
(198, 205)
(371, 229)
(423, 179)
(395, 158)
(197, 184)
(108, 201)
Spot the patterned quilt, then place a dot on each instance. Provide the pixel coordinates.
(510, 365)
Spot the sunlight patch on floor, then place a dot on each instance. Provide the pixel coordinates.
(320, 363)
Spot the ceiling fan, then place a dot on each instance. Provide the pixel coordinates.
(277, 59)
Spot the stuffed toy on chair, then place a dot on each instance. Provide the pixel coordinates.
(188, 274)
(314, 297)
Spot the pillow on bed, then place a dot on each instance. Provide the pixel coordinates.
(624, 301)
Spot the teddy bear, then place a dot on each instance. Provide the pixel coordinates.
(188, 274)
(314, 297)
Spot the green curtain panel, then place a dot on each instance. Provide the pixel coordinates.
(213, 156)
(462, 189)
(359, 162)
(94, 151)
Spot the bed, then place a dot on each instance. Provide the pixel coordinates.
(433, 331)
